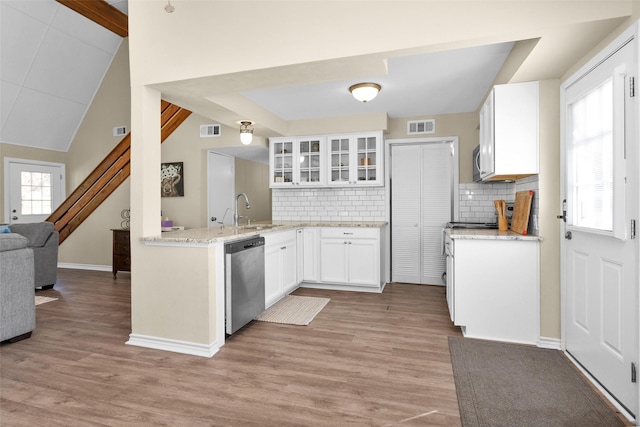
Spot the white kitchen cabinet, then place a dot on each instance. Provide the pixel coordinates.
(296, 162)
(311, 255)
(280, 258)
(299, 256)
(350, 256)
(493, 288)
(509, 136)
(355, 159)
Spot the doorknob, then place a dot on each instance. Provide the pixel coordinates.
(568, 235)
(13, 218)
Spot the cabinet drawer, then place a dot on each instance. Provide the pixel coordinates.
(349, 232)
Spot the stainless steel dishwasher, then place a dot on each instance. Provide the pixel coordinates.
(244, 282)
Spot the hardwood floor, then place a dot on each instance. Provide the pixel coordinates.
(366, 359)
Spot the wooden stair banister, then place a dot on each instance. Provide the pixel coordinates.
(108, 175)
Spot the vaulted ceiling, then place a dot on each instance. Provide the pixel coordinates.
(53, 60)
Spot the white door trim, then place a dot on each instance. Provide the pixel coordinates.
(7, 181)
(629, 34)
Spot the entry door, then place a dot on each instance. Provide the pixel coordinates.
(600, 252)
(421, 205)
(34, 189)
(221, 187)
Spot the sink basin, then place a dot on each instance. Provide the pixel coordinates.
(257, 227)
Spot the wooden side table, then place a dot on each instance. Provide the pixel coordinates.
(121, 251)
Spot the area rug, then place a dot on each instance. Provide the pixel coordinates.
(42, 300)
(501, 384)
(294, 310)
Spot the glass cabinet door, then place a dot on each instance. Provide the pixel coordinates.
(367, 150)
(339, 158)
(310, 161)
(282, 162)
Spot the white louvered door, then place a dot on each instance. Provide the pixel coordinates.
(406, 237)
(421, 204)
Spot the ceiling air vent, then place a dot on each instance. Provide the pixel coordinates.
(209, 131)
(421, 126)
(119, 131)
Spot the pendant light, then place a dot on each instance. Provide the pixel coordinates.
(246, 132)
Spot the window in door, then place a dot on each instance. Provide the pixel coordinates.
(595, 154)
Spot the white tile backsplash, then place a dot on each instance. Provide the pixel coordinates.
(328, 204)
(476, 200)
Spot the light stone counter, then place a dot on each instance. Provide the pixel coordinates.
(488, 235)
(199, 236)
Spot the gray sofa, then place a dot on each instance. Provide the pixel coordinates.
(43, 239)
(17, 302)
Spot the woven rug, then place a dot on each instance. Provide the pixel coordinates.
(42, 300)
(294, 310)
(500, 384)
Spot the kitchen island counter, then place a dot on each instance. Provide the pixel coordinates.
(205, 236)
(484, 234)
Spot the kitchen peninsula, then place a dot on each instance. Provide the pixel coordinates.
(188, 307)
(493, 284)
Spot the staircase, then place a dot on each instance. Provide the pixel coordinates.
(108, 175)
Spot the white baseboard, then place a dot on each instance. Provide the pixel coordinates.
(339, 287)
(552, 343)
(184, 347)
(93, 267)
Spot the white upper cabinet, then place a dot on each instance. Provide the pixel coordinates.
(330, 160)
(509, 132)
(296, 161)
(355, 159)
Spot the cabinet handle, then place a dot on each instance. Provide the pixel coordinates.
(283, 248)
(347, 234)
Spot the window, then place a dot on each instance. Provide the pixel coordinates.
(35, 190)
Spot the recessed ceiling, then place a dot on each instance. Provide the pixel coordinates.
(447, 82)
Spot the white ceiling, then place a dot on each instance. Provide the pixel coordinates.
(448, 82)
(53, 60)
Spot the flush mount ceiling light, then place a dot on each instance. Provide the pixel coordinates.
(169, 8)
(365, 92)
(246, 132)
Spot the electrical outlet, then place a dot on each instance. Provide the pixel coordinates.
(535, 222)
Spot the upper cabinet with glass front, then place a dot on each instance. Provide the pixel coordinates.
(331, 160)
(296, 161)
(355, 159)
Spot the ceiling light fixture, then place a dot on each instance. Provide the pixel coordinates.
(169, 8)
(246, 132)
(365, 92)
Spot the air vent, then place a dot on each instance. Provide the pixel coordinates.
(209, 131)
(119, 131)
(421, 126)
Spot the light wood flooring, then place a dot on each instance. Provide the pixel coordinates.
(366, 360)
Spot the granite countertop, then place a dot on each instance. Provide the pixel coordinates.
(230, 233)
(489, 235)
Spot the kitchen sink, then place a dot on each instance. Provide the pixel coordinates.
(258, 227)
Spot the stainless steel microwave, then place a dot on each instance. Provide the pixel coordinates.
(476, 164)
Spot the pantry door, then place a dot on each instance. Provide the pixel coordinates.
(600, 248)
(422, 181)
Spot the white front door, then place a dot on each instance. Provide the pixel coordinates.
(600, 252)
(33, 190)
(221, 188)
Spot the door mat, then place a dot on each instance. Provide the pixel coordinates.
(502, 384)
(42, 300)
(294, 310)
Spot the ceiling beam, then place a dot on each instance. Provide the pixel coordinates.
(102, 13)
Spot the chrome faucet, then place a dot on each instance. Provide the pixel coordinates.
(236, 217)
